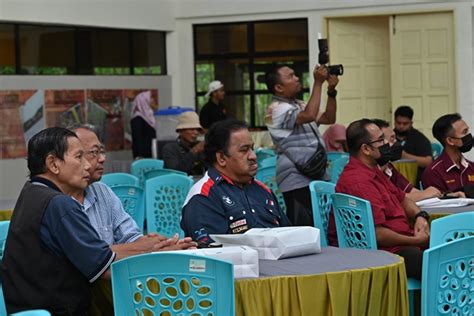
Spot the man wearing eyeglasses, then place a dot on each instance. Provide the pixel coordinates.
(391, 208)
(105, 211)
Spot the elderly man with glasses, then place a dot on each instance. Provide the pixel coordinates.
(391, 209)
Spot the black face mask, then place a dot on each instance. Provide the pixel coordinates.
(466, 143)
(396, 151)
(385, 155)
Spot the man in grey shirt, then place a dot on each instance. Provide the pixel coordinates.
(293, 126)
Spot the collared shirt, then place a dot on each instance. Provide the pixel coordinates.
(107, 216)
(445, 175)
(297, 141)
(417, 144)
(66, 231)
(215, 205)
(397, 178)
(372, 184)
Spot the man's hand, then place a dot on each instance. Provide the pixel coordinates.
(320, 74)
(432, 192)
(175, 243)
(198, 148)
(458, 194)
(332, 82)
(422, 232)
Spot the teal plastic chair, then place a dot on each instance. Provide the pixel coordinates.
(172, 284)
(336, 168)
(132, 198)
(139, 167)
(4, 225)
(321, 201)
(333, 156)
(355, 229)
(119, 178)
(263, 153)
(267, 175)
(33, 312)
(448, 279)
(165, 197)
(161, 172)
(452, 227)
(436, 149)
(270, 161)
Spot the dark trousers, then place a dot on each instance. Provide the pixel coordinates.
(298, 207)
(413, 261)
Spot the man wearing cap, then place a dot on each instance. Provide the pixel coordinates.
(186, 154)
(214, 109)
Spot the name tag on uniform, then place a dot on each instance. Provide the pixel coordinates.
(450, 181)
(238, 226)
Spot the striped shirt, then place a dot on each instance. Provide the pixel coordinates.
(107, 216)
(298, 141)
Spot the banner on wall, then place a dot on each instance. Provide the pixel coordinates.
(32, 115)
(64, 107)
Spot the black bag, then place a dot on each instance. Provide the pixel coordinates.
(315, 167)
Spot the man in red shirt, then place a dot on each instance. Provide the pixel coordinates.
(451, 171)
(390, 207)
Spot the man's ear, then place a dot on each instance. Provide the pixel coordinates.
(52, 164)
(449, 141)
(365, 149)
(278, 88)
(221, 159)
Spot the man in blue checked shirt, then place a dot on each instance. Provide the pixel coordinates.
(105, 211)
(228, 200)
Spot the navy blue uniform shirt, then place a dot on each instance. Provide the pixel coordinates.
(215, 205)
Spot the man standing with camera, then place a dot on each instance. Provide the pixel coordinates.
(293, 126)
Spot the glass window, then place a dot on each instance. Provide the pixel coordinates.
(281, 36)
(46, 50)
(239, 55)
(7, 49)
(103, 52)
(221, 38)
(149, 53)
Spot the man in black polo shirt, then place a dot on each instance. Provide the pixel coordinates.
(415, 145)
(214, 110)
(228, 200)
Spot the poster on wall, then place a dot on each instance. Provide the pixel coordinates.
(105, 112)
(32, 115)
(129, 98)
(12, 140)
(64, 107)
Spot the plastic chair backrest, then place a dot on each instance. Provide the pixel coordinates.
(161, 172)
(321, 202)
(354, 222)
(133, 202)
(452, 227)
(337, 167)
(139, 167)
(267, 175)
(4, 225)
(447, 279)
(172, 284)
(436, 149)
(119, 178)
(270, 161)
(165, 197)
(263, 153)
(334, 155)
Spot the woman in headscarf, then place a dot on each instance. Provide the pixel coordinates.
(143, 125)
(335, 138)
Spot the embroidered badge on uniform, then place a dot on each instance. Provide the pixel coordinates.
(270, 202)
(227, 200)
(450, 181)
(470, 177)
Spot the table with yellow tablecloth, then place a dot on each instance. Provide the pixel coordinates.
(408, 168)
(335, 282)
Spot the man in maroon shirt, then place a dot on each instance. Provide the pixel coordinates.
(390, 207)
(451, 171)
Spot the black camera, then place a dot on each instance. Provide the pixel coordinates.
(323, 58)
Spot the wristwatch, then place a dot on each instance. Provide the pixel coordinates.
(423, 214)
(332, 93)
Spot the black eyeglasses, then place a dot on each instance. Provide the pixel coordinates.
(94, 153)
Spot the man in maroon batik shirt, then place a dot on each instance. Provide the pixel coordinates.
(390, 207)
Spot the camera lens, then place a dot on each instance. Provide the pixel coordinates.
(337, 70)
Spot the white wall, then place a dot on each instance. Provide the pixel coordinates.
(13, 172)
(130, 14)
